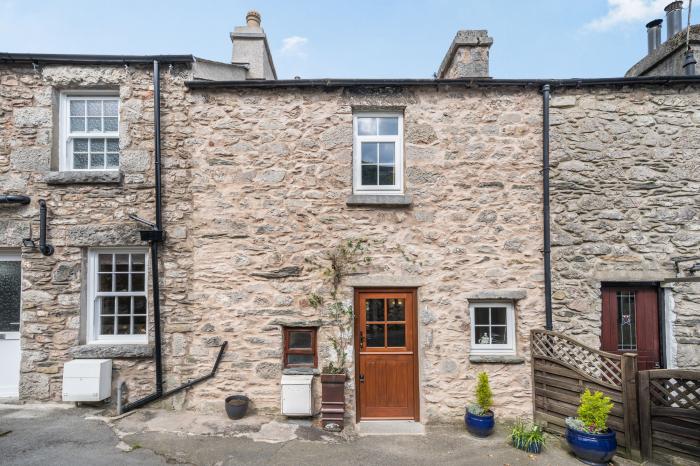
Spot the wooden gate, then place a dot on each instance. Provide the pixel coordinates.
(669, 412)
(563, 368)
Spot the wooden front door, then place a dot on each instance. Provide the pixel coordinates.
(385, 338)
(630, 323)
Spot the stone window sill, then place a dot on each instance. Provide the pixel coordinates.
(380, 200)
(301, 371)
(88, 177)
(99, 351)
(496, 359)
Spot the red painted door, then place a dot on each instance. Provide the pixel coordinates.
(630, 323)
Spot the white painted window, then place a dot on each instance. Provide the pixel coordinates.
(89, 131)
(117, 296)
(378, 153)
(493, 328)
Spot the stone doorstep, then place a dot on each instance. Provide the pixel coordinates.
(367, 428)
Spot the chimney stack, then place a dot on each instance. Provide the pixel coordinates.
(467, 57)
(674, 21)
(654, 34)
(250, 48)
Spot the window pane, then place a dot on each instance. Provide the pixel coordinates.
(121, 262)
(80, 161)
(499, 335)
(369, 175)
(374, 309)
(386, 152)
(138, 262)
(139, 325)
(396, 335)
(369, 152)
(305, 359)
(112, 160)
(482, 335)
(139, 304)
(137, 282)
(77, 107)
(97, 145)
(124, 305)
(105, 282)
(395, 309)
(375, 335)
(299, 340)
(97, 161)
(481, 316)
(107, 326)
(94, 108)
(105, 262)
(498, 316)
(112, 145)
(80, 145)
(121, 282)
(110, 107)
(367, 126)
(111, 124)
(77, 124)
(107, 305)
(10, 291)
(388, 126)
(94, 124)
(386, 176)
(626, 321)
(124, 325)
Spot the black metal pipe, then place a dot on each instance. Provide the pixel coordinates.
(545, 208)
(14, 199)
(46, 249)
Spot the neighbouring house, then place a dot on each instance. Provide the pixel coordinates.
(234, 190)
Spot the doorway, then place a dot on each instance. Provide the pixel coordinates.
(387, 356)
(10, 298)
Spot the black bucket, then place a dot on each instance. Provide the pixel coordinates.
(236, 406)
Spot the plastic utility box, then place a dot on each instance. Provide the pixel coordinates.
(297, 399)
(87, 380)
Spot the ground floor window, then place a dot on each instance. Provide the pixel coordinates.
(493, 328)
(118, 296)
(300, 347)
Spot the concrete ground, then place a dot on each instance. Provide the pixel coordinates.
(65, 435)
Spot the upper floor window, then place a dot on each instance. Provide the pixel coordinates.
(378, 153)
(117, 296)
(493, 328)
(89, 132)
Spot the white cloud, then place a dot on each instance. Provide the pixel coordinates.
(294, 46)
(628, 11)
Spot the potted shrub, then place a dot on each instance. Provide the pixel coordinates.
(479, 417)
(588, 435)
(527, 437)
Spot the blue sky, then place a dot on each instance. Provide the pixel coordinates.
(350, 38)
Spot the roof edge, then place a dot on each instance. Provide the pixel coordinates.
(80, 59)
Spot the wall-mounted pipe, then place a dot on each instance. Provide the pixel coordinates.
(14, 199)
(46, 249)
(545, 209)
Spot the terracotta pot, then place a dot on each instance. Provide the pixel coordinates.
(333, 400)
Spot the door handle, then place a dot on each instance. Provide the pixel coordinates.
(362, 378)
(362, 341)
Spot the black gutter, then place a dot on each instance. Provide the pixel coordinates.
(79, 59)
(545, 209)
(45, 248)
(14, 199)
(476, 82)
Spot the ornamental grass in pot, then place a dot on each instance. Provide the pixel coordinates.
(479, 417)
(527, 437)
(588, 434)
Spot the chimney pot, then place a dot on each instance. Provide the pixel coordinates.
(654, 34)
(253, 19)
(674, 21)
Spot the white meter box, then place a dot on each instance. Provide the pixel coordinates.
(297, 395)
(87, 380)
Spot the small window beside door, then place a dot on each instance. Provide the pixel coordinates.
(492, 328)
(300, 347)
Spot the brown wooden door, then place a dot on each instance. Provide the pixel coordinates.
(630, 323)
(385, 336)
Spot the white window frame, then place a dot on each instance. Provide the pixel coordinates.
(65, 136)
(507, 349)
(12, 255)
(93, 332)
(358, 188)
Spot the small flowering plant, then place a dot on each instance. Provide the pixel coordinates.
(592, 413)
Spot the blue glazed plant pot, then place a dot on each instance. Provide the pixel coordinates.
(595, 449)
(479, 426)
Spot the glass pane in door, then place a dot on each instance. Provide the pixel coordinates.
(10, 289)
(626, 321)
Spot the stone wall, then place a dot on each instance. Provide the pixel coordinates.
(625, 178)
(271, 175)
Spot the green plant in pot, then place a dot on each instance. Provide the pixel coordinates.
(588, 434)
(479, 418)
(528, 437)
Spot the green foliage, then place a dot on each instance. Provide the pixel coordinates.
(484, 396)
(593, 411)
(524, 435)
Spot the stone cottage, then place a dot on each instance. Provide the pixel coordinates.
(219, 198)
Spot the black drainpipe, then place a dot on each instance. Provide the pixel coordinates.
(14, 199)
(545, 208)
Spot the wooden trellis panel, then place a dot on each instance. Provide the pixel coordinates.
(563, 368)
(669, 412)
